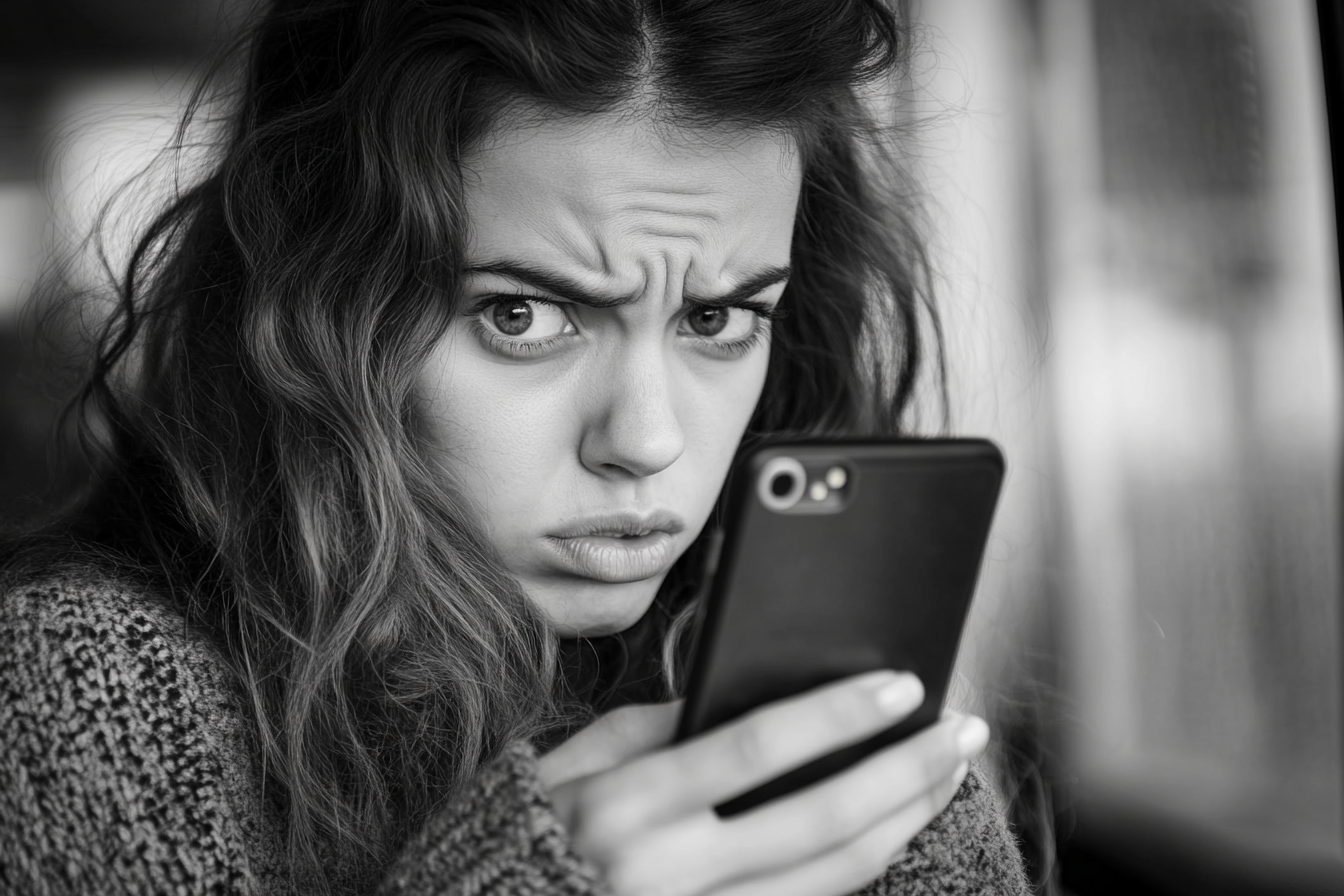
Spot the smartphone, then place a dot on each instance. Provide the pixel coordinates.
(840, 557)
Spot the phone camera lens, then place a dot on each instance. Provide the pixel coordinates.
(782, 483)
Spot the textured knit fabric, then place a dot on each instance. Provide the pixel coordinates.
(126, 766)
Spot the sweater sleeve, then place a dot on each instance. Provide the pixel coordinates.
(499, 836)
(967, 850)
(126, 767)
(111, 777)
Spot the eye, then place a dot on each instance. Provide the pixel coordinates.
(727, 324)
(526, 319)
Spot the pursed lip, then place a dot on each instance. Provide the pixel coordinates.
(619, 547)
(619, 525)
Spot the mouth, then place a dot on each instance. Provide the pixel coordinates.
(617, 548)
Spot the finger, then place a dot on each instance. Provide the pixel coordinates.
(614, 738)
(760, 746)
(657, 862)
(913, 779)
(856, 863)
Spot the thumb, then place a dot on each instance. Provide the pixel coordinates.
(612, 740)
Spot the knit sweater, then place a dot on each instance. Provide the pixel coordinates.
(127, 766)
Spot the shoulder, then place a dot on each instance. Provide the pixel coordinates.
(123, 751)
(72, 618)
(82, 648)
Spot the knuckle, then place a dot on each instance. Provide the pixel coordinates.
(837, 817)
(849, 711)
(935, 765)
(628, 875)
(632, 721)
(936, 799)
(598, 820)
(753, 746)
(618, 722)
(623, 878)
(590, 843)
(589, 804)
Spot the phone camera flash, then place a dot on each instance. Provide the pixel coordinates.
(818, 491)
(835, 478)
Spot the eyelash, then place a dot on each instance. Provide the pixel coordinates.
(765, 314)
(532, 348)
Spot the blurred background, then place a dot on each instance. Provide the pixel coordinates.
(1134, 234)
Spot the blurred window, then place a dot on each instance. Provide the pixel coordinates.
(1196, 371)
(1142, 305)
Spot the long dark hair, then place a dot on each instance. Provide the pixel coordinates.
(251, 407)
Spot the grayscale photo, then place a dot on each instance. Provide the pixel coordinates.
(671, 447)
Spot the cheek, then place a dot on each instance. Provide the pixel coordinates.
(722, 408)
(499, 436)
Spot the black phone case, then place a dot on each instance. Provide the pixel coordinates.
(885, 581)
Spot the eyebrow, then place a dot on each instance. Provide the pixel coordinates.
(571, 291)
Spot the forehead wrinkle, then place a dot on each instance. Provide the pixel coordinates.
(648, 217)
(672, 189)
(580, 236)
(662, 233)
(700, 217)
(595, 253)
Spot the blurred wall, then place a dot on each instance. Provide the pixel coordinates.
(88, 92)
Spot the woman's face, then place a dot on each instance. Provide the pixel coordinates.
(611, 346)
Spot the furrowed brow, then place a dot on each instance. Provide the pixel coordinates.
(559, 286)
(756, 283)
(571, 291)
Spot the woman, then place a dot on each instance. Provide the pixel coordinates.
(412, 421)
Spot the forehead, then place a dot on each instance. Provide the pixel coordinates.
(598, 190)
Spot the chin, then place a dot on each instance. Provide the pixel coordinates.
(593, 609)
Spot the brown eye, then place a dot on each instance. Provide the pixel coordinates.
(513, 318)
(708, 321)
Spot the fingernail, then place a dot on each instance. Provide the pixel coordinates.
(972, 736)
(900, 696)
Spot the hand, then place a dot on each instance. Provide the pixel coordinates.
(642, 811)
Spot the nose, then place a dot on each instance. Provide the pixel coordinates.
(632, 429)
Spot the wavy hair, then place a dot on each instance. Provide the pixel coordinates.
(252, 404)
